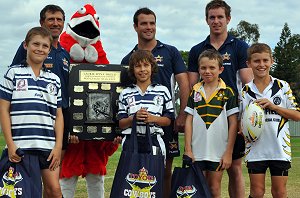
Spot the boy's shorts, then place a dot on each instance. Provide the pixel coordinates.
(66, 128)
(239, 147)
(277, 167)
(208, 165)
(171, 141)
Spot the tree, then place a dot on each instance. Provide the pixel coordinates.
(185, 56)
(246, 31)
(287, 58)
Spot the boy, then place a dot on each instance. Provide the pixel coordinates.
(152, 103)
(211, 123)
(272, 150)
(31, 114)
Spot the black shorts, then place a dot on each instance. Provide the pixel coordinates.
(277, 167)
(65, 142)
(171, 141)
(239, 147)
(208, 165)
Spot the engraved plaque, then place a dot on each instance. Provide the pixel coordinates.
(93, 86)
(105, 86)
(78, 116)
(78, 88)
(78, 102)
(106, 129)
(77, 129)
(91, 129)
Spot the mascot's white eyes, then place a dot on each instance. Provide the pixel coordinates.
(82, 10)
(96, 17)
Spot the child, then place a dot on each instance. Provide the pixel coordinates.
(151, 103)
(272, 150)
(211, 123)
(31, 114)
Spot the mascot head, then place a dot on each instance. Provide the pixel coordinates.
(84, 25)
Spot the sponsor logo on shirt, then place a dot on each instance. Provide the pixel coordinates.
(131, 101)
(51, 88)
(197, 97)
(22, 85)
(158, 100)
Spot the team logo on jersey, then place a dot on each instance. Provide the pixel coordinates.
(158, 100)
(65, 62)
(141, 184)
(51, 89)
(9, 180)
(197, 97)
(226, 56)
(21, 85)
(277, 100)
(48, 65)
(186, 191)
(159, 58)
(131, 101)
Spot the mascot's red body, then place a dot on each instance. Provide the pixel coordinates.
(82, 37)
(82, 40)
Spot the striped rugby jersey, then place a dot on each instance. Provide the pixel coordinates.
(156, 99)
(34, 101)
(210, 124)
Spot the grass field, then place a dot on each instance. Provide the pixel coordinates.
(293, 182)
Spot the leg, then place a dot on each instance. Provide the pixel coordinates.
(95, 185)
(168, 177)
(279, 186)
(51, 183)
(236, 186)
(68, 186)
(214, 179)
(257, 185)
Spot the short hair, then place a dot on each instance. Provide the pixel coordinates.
(211, 54)
(214, 4)
(51, 8)
(144, 10)
(141, 56)
(43, 32)
(258, 48)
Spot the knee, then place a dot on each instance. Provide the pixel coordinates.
(215, 191)
(278, 193)
(52, 191)
(257, 192)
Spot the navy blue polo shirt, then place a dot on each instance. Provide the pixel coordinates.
(169, 62)
(234, 53)
(58, 62)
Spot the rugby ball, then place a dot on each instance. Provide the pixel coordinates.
(253, 121)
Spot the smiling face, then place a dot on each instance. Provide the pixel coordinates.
(38, 49)
(261, 64)
(142, 72)
(209, 70)
(217, 21)
(54, 22)
(146, 27)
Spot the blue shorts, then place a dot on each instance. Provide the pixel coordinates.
(171, 141)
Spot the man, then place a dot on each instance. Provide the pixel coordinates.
(171, 68)
(52, 17)
(235, 72)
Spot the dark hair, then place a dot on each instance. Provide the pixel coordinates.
(211, 54)
(138, 57)
(38, 31)
(144, 10)
(214, 4)
(258, 48)
(51, 8)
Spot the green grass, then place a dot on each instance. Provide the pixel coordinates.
(293, 182)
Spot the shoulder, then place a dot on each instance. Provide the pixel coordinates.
(238, 42)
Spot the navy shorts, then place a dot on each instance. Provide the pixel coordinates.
(171, 141)
(239, 147)
(208, 165)
(277, 167)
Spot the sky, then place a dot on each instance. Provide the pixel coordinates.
(179, 23)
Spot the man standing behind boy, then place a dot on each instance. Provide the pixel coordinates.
(170, 68)
(234, 52)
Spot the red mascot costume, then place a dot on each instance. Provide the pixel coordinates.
(88, 158)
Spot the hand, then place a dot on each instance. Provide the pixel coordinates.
(179, 124)
(265, 103)
(117, 140)
(142, 114)
(12, 155)
(55, 157)
(73, 139)
(190, 154)
(226, 160)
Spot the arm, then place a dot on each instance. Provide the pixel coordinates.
(6, 128)
(286, 113)
(226, 159)
(184, 87)
(246, 75)
(55, 154)
(193, 78)
(188, 136)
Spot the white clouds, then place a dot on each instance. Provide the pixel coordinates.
(179, 23)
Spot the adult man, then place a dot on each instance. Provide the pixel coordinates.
(171, 66)
(234, 54)
(52, 17)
